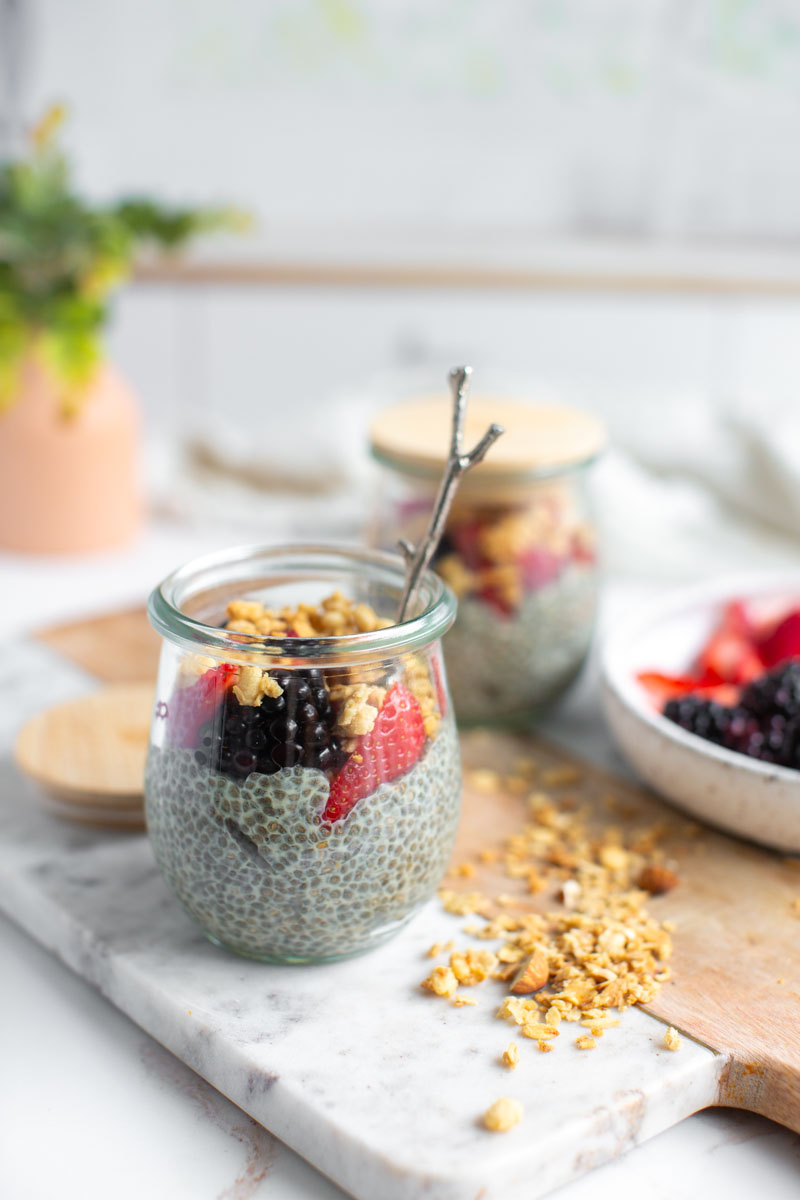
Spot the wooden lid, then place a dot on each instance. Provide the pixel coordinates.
(91, 752)
(415, 434)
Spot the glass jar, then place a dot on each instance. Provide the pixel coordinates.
(518, 551)
(303, 781)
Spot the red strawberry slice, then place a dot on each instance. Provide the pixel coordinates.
(539, 567)
(782, 642)
(731, 657)
(390, 749)
(496, 600)
(661, 687)
(465, 536)
(191, 707)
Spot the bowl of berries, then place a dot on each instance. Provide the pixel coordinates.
(702, 694)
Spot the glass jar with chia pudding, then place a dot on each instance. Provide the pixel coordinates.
(518, 550)
(303, 782)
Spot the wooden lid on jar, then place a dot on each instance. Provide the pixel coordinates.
(415, 435)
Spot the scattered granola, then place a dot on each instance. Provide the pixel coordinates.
(473, 966)
(441, 981)
(672, 1039)
(335, 616)
(599, 949)
(511, 1055)
(503, 1115)
(538, 1030)
(484, 780)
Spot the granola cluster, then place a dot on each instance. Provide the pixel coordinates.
(584, 962)
(335, 616)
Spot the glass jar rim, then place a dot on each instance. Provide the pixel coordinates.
(309, 561)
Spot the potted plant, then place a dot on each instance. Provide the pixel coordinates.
(69, 424)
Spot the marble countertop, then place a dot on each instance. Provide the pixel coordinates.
(90, 1106)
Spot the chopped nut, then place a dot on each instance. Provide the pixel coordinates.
(656, 879)
(503, 1115)
(511, 1055)
(532, 976)
(672, 1039)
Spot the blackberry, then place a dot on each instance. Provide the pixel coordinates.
(777, 693)
(765, 724)
(294, 729)
(703, 717)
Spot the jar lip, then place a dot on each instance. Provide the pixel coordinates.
(310, 561)
(486, 478)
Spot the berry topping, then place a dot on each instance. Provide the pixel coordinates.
(391, 748)
(192, 707)
(782, 642)
(776, 693)
(292, 729)
(765, 724)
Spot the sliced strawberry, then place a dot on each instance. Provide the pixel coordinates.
(661, 687)
(465, 536)
(539, 567)
(731, 657)
(390, 749)
(782, 642)
(496, 600)
(192, 706)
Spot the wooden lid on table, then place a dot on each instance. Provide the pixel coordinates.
(415, 435)
(89, 755)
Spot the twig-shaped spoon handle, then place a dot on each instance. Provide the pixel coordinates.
(458, 463)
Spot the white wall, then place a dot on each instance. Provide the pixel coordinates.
(490, 120)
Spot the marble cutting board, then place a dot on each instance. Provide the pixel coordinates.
(378, 1084)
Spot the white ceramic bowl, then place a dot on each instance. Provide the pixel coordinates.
(739, 794)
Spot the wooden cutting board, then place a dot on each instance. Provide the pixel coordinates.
(736, 959)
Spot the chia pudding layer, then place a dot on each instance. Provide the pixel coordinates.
(251, 862)
(504, 667)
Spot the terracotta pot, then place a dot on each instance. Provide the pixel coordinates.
(69, 484)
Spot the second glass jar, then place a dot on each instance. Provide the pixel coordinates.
(519, 551)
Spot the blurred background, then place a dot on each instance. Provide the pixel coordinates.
(598, 203)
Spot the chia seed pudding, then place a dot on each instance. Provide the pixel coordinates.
(503, 666)
(249, 861)
(303, 813)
